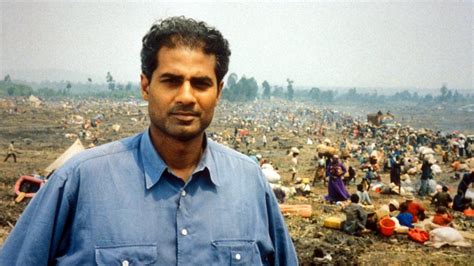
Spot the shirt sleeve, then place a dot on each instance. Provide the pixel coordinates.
(38, 232)
(285, 253)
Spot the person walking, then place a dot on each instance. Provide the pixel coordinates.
(395, 171)
(11, 152)
(294, 162)
(426, 175)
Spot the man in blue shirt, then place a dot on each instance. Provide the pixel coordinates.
(167, 196)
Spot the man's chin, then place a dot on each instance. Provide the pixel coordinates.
(185, 135)
(182, 133)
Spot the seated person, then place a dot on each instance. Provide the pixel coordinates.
(405, 218)
(371, 174)
(416, 210)
(363, 195)
(371, 223)
(302, 187)
(356, 217)
(460, 203)
(393, 206)
(442, 217)
(442, 198)
(390, 209)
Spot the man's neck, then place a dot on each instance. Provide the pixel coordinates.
(182, 157)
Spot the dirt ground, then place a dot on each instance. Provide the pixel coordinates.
(40, 137)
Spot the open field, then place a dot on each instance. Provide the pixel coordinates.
(40, 137)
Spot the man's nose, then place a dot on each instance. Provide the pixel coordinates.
(185, 94)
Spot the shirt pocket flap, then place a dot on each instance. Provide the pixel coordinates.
(236, 252)
(126, 254)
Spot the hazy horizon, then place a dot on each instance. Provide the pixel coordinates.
(404, 45)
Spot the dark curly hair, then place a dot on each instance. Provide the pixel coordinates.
(182, 31)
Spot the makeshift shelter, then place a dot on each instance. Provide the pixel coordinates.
(75, 148)
(35, 101)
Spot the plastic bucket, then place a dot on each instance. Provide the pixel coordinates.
(387, 226)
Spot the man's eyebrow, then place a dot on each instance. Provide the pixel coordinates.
(202, 79)
(170, 75)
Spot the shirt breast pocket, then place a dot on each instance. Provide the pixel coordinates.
(236, 252)
(125, 255)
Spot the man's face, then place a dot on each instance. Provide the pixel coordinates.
(182, 92)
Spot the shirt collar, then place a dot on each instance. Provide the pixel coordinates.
(154, 166)
(208, 161)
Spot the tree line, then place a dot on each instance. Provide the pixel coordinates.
(247, 89)
(62, 89)
(237, 89)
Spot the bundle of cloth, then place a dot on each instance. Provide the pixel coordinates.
(446, 236)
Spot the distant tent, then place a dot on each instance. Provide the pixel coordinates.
(75, 148)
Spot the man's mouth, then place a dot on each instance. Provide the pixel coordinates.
(185, 116)
(185, 113)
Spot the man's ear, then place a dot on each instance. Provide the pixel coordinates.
(219, 90)
(145, 86)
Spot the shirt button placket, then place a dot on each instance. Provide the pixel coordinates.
(183, 231)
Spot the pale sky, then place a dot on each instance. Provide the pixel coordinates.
(325, 44)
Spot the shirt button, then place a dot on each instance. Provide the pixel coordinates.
(183, 193)
(184, 232)
(125, 263)
(237, 256)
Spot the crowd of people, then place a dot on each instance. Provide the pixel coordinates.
(421, 164)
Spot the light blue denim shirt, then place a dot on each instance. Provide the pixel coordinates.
(118, 204)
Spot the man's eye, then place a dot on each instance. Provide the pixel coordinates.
(171, 81)
(201, 84)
